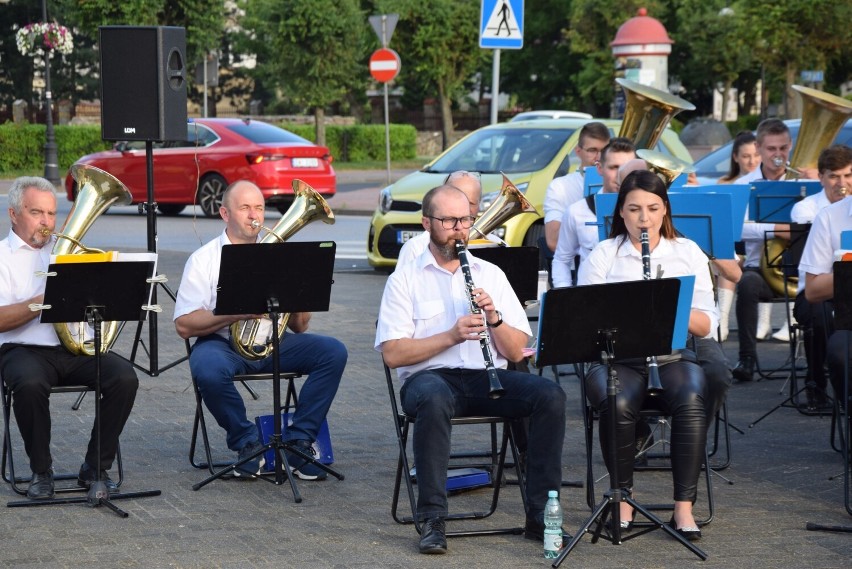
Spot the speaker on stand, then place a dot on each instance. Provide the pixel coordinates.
(143, 97)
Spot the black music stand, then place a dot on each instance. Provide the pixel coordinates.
(96, 293)
(787, 261)
(520, 265)
(587, 323)
(843, 324)
(260, 278)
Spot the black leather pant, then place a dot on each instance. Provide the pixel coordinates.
(684, 391)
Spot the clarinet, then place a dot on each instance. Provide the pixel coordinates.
(654, 385)
(495, 389)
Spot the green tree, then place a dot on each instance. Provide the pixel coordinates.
(798, 34)
(438, 42)
(311, 50)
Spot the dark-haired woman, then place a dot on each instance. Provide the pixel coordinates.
(643, 203)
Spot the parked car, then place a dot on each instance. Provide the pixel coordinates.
(530, 153)
(539, 115)
(216, 153)
(711, 167)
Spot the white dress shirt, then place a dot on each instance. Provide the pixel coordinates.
(824, 238)
(561, 193)
(617, 260)
(576, 237)
(804, 212)
(18, 282)
(200, 278)
(422, 299)
(413, 248)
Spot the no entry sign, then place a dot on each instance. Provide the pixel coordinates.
(384, 64)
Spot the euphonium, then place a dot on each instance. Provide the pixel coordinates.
(308, 206)
(771, 268)
(97, 191)
(667, 168)
(509, 203)
(647, 112)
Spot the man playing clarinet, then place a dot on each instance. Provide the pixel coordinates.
(428, 332)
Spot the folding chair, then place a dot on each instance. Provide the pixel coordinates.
(19, 483)
(494, 466)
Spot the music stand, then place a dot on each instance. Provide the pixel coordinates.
(520, 265)
(787, 261)
(843, 324)
(641, 318)
(772, 201)
(592, 181)
(260, 278)
(96, 293)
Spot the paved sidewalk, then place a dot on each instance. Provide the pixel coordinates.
(780, 481)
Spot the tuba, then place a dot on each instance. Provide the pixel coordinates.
(509, 203)
(98, 190)
(647, 112)
(823, 115)
(308, 206)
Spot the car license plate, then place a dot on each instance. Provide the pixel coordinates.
(403, 236)
(305, 162)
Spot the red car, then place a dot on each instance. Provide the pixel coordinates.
(216, 153)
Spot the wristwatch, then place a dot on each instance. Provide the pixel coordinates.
(499, 320)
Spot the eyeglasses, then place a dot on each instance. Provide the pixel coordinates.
(450, 222)
(591, 150)
(462, 174)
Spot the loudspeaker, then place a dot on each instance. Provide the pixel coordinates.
(143, 82)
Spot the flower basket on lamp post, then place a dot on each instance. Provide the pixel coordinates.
(42, 39)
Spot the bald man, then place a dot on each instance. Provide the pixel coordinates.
(214, 363)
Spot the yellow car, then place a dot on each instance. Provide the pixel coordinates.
(530, 153)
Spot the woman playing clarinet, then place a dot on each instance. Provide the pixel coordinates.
(643, 207)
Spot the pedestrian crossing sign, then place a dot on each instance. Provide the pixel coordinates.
(501, 24)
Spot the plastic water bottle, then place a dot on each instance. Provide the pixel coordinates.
(552, 525)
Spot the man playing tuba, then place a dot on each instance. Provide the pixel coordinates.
(214, 362)
(32, 361)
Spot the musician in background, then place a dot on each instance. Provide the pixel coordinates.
(426, 332)
(214, 362)
(644, 203)
(576, 236)
(835, 175)
(773, 145)
(32, 360)
(818, 266)
(566, 190)
(470, 184)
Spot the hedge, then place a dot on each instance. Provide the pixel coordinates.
(23, 145)
(362, 142)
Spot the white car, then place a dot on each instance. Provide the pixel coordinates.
(539, 115)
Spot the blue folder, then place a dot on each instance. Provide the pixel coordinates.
(846, 239)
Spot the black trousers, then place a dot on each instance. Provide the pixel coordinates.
(31, 371)
(818, 326)
(683, 397)
(840, 362)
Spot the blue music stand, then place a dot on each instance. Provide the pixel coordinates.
(604, 208)
(772, 201)
(592, 181)
(739, 202)
(846, 239)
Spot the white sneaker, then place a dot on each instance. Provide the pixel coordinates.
(764, 323)
(783, 334)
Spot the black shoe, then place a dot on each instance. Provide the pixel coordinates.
(745, 369)
(534, 529)
(87, 476)
(251, 469)
(305, 469)
(434, 538)
(41, 486)
(692, 533)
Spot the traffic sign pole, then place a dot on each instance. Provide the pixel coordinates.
(495, 85)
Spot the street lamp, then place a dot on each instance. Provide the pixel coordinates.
(51, 157)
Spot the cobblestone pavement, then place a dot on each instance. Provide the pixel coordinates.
(780, 480)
